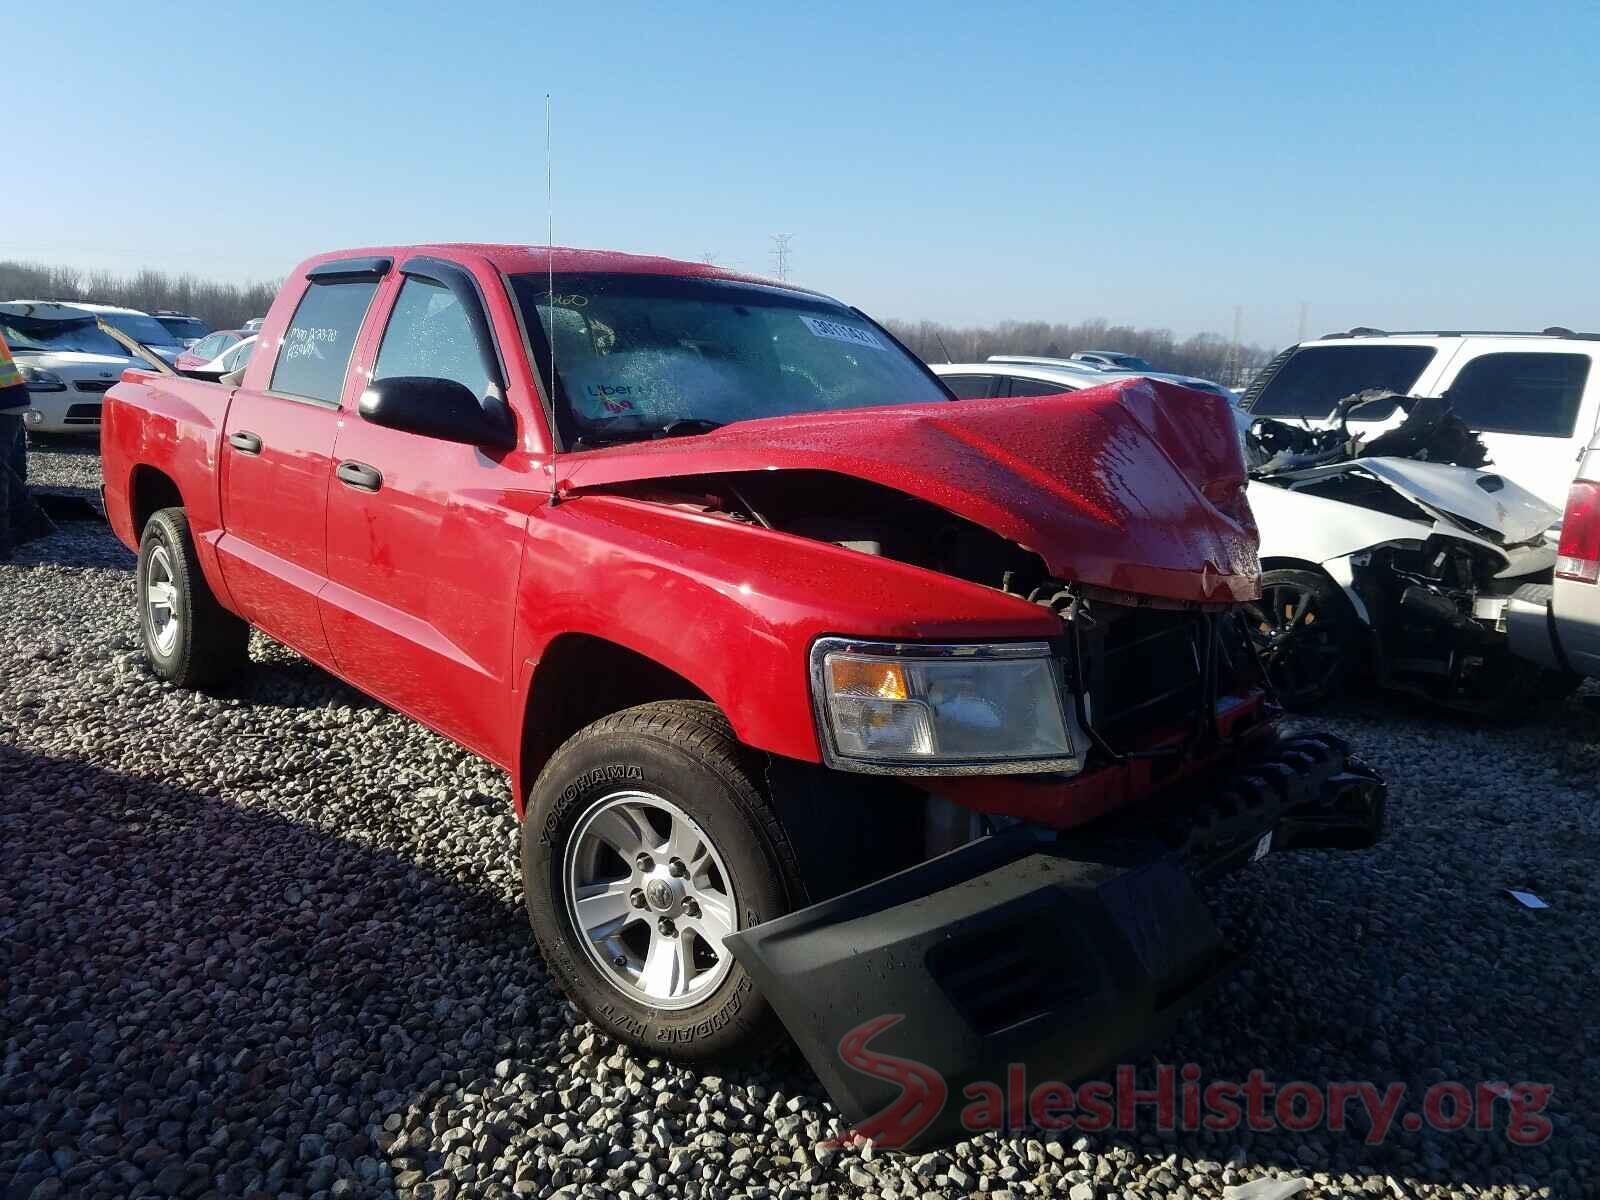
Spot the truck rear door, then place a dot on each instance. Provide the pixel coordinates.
(425, 536)
(276, 458)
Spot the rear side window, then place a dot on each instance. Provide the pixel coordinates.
(429, 335)
(970, 387)
(317, 345)
(1313, 380)
(1535, 394)
(210, 347)
(238, 357)
(1037, 387)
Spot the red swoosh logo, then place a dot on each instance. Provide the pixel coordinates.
(922, 1089)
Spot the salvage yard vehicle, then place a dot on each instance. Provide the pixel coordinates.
(1393, 556)
(67, 364)
(1534, 397)
(140, 326)
(826, 701)
(1558, 626)
(187, 329)
(210, 348)
(1030, 375)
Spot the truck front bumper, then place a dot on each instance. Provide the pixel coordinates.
(1064, 953)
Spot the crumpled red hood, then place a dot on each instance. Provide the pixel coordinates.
(1135, 486)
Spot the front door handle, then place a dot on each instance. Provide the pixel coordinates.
(245, 442)
(359, 475)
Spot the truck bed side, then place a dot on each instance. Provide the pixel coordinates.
(159, 441)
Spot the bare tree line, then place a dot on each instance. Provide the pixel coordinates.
(220, 305)
(1207, 355)
(230, 305)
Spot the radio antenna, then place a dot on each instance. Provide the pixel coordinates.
(550, 282)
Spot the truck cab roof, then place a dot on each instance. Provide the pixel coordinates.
(514, 259)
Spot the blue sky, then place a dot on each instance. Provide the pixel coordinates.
(1393, 165)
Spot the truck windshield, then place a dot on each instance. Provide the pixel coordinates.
(645, 355)
(53, 337)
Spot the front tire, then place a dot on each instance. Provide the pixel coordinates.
(647, 839)
(1305, 633)
(189, 638)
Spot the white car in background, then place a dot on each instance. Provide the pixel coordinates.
(1030, 375)
(140, 326)
(1533, 397)
(235, 358)
(67, 363)
(1114, 359)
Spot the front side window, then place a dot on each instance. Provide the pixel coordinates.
(636, 355)
(1318, 377)
(429, 334)
(1529, 393)
(320, 339)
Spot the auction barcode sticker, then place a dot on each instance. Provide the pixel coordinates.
(842, 333)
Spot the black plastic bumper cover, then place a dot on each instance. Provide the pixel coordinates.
(1065, 956)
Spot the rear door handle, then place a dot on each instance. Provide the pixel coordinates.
(245, 442)
(359, 475)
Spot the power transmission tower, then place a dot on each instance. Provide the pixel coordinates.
(709, 257)
(1305, 309)
(780, 254)
(1231, 368)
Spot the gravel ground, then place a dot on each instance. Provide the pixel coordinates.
(270, 942)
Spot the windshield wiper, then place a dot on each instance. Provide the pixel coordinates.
(686, 426)
(683, 427)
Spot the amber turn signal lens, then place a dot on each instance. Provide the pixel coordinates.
(863, 677)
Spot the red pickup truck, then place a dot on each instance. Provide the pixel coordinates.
(825, 700)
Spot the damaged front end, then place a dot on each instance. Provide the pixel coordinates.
(1061, 953)
(1004, 836)
(1073, 932)
(1438, 611)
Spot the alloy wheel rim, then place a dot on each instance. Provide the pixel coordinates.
(651, 899)
(161, 601)
(1298, 645)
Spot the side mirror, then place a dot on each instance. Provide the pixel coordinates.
(436, 408)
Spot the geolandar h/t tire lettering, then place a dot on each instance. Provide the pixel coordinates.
(647, 839)
(190, 639)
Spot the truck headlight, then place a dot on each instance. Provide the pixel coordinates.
(37, 379)
(905, 708)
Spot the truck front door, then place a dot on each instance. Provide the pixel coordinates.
(425, 536)
(276, 463)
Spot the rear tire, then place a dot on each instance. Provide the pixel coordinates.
(1305, 633)
(632, 936)
(190, 639)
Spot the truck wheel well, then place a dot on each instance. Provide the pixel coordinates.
(149, 491)
(582, 678)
